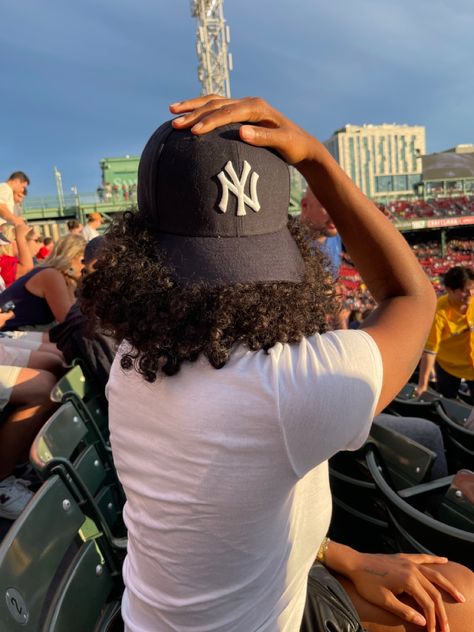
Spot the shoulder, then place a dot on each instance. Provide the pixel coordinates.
(48, 277)
(336, 354)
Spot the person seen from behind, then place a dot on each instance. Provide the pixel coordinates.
(449, 348)
(74, 227)
(239, 394)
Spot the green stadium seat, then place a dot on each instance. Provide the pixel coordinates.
(66, 446)
(56, 572)
(75, 386)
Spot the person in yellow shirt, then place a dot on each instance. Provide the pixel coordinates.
(449, 349)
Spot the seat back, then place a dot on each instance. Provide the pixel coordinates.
(75, 386)
(459, 441)
(457, 506)
(358, 519)
(66, 445)
(407, 462)
(52, 577)
(406, 405)
(416, 531)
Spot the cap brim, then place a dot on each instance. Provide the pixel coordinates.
(229, 260)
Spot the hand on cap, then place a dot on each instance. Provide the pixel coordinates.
(270, 129)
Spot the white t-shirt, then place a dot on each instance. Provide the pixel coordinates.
(226, 478)
(6, 197)
(89, 233)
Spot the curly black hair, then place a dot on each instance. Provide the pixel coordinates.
(132, 296)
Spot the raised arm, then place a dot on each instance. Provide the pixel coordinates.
(390, 270)
(25, 258)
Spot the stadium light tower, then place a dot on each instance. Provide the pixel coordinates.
(212, 39)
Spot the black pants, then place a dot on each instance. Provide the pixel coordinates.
(448, 385)
(328, 607)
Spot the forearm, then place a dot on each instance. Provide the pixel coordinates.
(381, 254)
(25, 258)
(341, 559)
(427, 363)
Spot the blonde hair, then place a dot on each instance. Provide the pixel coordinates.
(63, 252)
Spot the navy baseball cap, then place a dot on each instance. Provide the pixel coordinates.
(218, 207)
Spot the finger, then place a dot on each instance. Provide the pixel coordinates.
(402, 610)
(217, 113)
(198, 115)
(440, 609)
(435, 577)
(430, 601)
(191, 104)
(423, 558)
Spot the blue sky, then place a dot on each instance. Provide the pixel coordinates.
(86, 79)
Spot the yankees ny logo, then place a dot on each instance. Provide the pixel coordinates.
(237, 187)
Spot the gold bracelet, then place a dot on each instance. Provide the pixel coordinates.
(321, 556)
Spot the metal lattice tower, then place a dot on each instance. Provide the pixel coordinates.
(212, 39)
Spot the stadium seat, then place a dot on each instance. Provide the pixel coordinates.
(457, 506)
(406, 405)
(76, 387)
(56, 574)
(358, 519)
(414, 529)
(407, 462)
(65, 446)
(459, 441)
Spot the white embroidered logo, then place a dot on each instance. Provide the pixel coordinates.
(237, 187)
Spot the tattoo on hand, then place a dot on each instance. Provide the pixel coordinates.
(374, 572)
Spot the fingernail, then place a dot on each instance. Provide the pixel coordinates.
(180, 119)
(196, 128)
(248, 132)
(461, 597)
(419, 620)
(173, 105)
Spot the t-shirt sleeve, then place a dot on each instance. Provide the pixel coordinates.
(434, 337)
(5, 193)
(328, 387)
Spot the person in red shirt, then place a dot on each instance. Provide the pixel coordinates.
(46, 248)
(16, 258)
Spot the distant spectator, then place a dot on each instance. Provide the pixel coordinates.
(16, 183)
(329, 241)
(47, 293)
(74, 340)
(74, 227)
(16, 258)
(94, 220)
(34, 241)
(450, 346)
(46, 248)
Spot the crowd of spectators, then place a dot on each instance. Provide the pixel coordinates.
(436, 208)
(38, 281)
(117, 192)
(458, 252)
